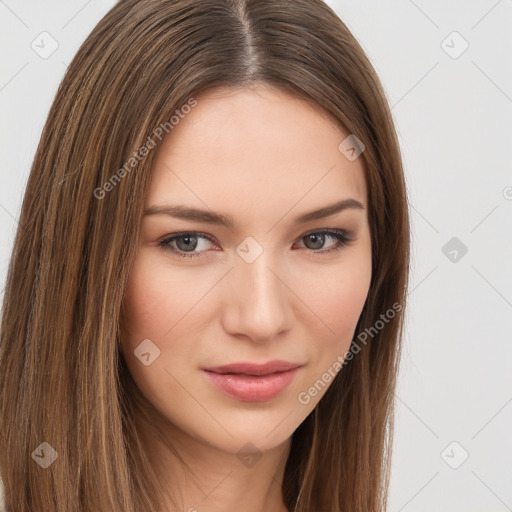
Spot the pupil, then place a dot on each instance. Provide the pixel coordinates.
(188, 245)
(319, 241)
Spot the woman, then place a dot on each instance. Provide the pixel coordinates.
(205, 298)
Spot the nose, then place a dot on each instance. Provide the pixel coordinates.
(257, 304)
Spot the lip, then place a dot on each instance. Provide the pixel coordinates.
(254, 369)
(249, 382)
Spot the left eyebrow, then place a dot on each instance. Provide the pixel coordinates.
(198, 215)
(346, 204)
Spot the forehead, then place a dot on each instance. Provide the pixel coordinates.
(261, 146)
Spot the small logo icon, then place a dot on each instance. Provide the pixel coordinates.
(249, 249)
(454, 455)
(44, 45)
(454, 249)
(147, 352)
(454, 45)
(351, 147)
(249, 455)
(44, 455)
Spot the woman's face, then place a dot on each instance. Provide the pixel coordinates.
(268, 287)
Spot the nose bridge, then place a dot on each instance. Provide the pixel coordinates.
(258, 304)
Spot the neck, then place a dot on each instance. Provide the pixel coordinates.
(211, 479)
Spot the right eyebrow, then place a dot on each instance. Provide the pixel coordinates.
(188, 213)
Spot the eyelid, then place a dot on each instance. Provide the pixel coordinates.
(198, 234)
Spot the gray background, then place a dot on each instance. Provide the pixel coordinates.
(453, 114)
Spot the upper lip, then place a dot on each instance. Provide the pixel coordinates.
(254, 369)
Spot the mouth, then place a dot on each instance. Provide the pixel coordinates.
(253, 369)
(248, 382)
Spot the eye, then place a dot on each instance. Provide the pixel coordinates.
(186, 244)
(316, 240)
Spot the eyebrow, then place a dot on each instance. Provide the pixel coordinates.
(194, 214)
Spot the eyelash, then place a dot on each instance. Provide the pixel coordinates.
(343, 238)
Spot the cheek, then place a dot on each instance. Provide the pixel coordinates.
(339, 298)
(151, 308)
(157, 300)
(165, 307)
(143, 306)
(148, 313)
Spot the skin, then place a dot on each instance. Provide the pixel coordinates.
(263, 157)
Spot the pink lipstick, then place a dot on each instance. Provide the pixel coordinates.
(250, 382)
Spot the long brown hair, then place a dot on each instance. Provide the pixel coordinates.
(62, 379)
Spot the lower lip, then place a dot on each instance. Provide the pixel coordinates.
(252, 389)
